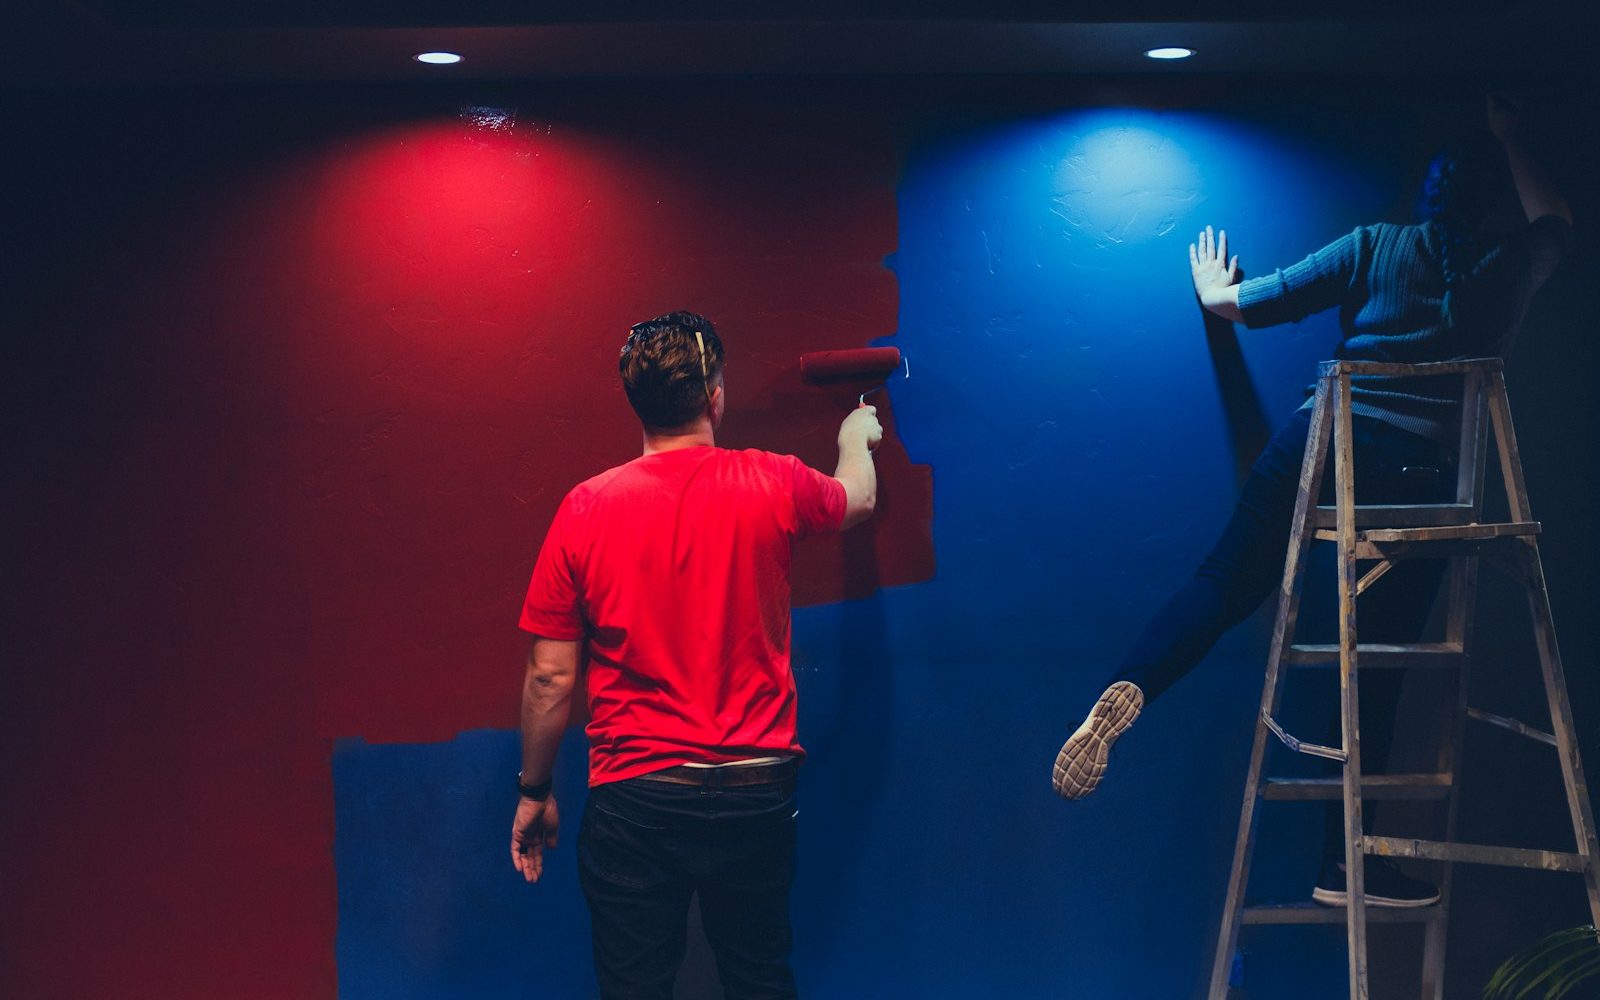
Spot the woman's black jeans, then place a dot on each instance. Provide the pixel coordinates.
(1245, 567)
(646, 846)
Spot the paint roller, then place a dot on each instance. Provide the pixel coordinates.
(860, 365)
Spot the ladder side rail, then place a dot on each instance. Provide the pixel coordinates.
(1462, 597)
(1555, 687)
(1544, 635)
(1349, 693)
(1505, 439)
(1471, 452)
(1301, 531)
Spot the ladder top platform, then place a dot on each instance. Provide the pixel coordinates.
(1333, 369)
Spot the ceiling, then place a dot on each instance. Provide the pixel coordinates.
(102, 42)
(443, 13)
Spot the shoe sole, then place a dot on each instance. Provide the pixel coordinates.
(1331, 897)
(1082, 761)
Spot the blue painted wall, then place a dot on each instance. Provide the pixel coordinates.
(1065, 394)
(425, 905)
(1067, 398)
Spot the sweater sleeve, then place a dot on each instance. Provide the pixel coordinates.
(1319, 282)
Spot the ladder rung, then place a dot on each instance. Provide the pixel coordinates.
(1441, 533)
(1400, 515)
(1475, 854)
(1316, 913)
(1516, 726)
(1378, 654)
(1373, 787)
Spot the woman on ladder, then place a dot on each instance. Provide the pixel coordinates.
(1439, 290)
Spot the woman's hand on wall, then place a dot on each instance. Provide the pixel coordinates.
(1216, 277)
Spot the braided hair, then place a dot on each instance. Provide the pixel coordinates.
(1463, 183)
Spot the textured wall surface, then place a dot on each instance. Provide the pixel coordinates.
(293, 385)
(1071, 412)
(299, 387)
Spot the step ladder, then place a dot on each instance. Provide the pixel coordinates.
(1382, 535)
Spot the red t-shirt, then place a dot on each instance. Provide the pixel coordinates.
(675, 568)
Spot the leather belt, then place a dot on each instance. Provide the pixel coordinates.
(728, 775)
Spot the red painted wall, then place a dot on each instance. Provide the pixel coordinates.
(301, 385)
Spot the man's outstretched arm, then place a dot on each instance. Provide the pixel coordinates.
(547, 686)
(858, 435)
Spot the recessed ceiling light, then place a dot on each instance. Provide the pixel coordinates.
(437, 58)
(1169, 52)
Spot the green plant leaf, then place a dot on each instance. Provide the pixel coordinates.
(1558, 964)
(1577, 977)
(1555, 968)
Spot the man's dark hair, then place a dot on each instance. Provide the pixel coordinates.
(667, 377)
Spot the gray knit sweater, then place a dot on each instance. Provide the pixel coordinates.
(1389, 285)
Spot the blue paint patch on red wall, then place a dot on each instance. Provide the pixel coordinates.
(428, 903)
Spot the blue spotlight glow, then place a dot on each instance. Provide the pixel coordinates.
(1169, 52)
(437, 58)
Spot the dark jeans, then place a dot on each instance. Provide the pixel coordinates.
(1245, 567)
(646, 846)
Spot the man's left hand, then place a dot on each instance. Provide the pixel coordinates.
(533, 829)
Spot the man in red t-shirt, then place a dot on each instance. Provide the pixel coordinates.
(670, 575)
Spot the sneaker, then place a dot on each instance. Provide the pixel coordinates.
(1082, 761)
(1386, 886)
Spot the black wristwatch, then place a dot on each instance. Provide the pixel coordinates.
(538, 792)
